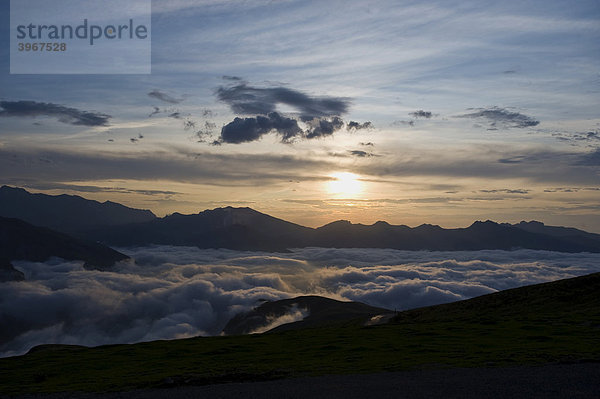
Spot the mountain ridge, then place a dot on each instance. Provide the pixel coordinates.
(247, 229)
(69, 214)
(20, 240)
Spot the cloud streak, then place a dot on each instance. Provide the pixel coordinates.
(72, 116)
(175, 292)
(497, 117)
(159, 95)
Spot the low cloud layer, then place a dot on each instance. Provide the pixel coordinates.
(175, 292)
(72, 116)
(497, 118)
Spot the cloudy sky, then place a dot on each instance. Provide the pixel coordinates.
(408, 111)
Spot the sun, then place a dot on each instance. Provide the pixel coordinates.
(344, 183)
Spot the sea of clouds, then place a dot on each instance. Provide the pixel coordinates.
(175, 292)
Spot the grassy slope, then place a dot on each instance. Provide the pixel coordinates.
(551, 322)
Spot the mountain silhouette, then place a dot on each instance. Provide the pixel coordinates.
(66, 213)
(232, 228)
(247, 229)
(22, 241)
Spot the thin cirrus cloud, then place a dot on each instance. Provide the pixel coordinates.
(557, 168)
(68, 115)
(176, 292)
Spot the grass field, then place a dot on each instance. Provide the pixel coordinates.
(545, 323)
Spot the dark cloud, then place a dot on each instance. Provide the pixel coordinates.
(322, 127)
(206, 131)
(368, 144)
(405, 123)
(72, 116)
(501, 118)
(321, 115)
(361, 154)
(589, 138)
(352, 125)
(155, 111)
(421, 114)
(570, 189)
(176, 292)
(247, 100)
(189, 124)
(506, 191)
(232, 78)
(513, 159)
(590, 159)
(243, 130)
(164, 97)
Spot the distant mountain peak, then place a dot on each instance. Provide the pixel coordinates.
(428, 226)
(341, 222)
(484, 223)
(530, 223)
(381, 223)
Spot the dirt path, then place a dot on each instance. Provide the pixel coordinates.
(551, 381)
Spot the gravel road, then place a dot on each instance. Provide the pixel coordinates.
(550, 381)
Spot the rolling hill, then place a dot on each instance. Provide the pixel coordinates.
(314, 311)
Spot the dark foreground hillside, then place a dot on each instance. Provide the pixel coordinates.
(552, 381)
(552, 323)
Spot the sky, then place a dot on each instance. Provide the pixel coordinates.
(441, 112)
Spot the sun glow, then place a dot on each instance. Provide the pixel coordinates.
(344, 183)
